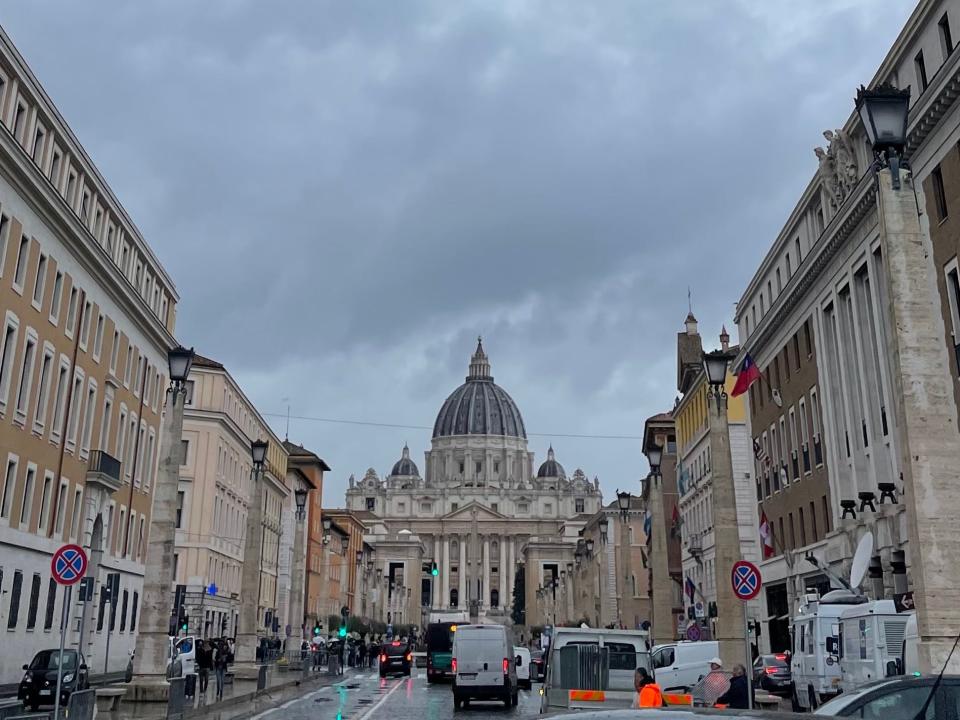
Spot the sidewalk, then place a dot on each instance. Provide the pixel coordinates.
(240, 698)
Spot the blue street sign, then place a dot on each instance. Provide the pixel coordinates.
(212, 590)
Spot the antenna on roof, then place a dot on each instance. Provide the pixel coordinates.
(286, 434)
(689, 300)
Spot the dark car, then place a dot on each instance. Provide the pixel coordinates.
(537, 665)
(39, 683)
(772, 673)
(396, 657)
(895, 698)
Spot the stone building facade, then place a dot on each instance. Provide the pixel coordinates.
(86, 319)
(213, 501)
(825, 277)
(479, 510)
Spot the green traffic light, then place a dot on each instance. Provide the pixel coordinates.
(316, 630)
(183, 627)
(343, 631)
(435, 572)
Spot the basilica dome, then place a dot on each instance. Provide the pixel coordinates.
(479, 406)
(405, 466)
(551, 468)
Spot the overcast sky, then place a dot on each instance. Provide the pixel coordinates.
(347, 193)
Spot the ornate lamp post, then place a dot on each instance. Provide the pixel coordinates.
(623, 503)
(299, 557)
(925, 408)
(153, 645)
(729, 623)
(661, 597)
(246, 646)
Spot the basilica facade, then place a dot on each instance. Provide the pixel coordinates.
(478, 511)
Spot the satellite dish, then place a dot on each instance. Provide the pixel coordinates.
(861, 559)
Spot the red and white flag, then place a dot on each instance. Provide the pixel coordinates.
(766, 536)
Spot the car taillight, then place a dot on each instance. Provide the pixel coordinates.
(780, 656)
(409, 657)
(383, 658)
(506, 666)
(453, 664)
(770, 670)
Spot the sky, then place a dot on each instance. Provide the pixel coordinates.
(347, 194)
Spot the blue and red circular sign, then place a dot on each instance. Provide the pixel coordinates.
(745, 578)
(693, 633)
(69, 564)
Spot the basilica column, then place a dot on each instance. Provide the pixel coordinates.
(505, 599)
(485, 592)
(445, 589)
(462, 599)
(511, 573)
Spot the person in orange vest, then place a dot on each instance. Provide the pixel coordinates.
(648, 692)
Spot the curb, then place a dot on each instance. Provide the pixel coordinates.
(205, 710)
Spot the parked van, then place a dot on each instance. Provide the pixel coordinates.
(870, 644)
(911, 644)
(483, 665)
(679, 666)
(592, 668)
(183, 654)
(521, 656)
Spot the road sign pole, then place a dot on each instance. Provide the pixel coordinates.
(748, 665)
(64, 619)
(82, 597)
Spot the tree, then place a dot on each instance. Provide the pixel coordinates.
(519, 612)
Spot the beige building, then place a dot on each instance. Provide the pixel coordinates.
(214, 498)
(86, 319)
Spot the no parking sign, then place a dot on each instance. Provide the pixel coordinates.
(69, 564)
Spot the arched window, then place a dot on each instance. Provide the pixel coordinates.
(494, 598)
(454, 597)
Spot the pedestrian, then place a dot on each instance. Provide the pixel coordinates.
(362, 654)
(715, 684)
(648, 692)
(737, 697)
(204, 664)
(220, 666)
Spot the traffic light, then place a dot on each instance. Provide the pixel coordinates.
(183, 620)
(343, 631)
(434, 570)
(316, 629)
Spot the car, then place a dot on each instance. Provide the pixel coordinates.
(396, 657)
(524, 669)
(772, 673)
(483, 665)
(537, 665)
(896, 698)
(39, 683)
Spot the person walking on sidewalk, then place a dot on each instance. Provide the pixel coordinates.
(204, 664)
(220, 662)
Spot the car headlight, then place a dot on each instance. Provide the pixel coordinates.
(28, 677)
(68, 677)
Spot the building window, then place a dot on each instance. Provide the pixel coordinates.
(34, 603)
(548, 509)
(40, 281)
(18, 118)
(803, 529)
(61, 508)
(523, 508)
(813, 521)
(184, 451)
(71, 312)
(9, 483)
(495, 507)
(38, 137)
(45, 498)
(180, 499)
(133, 611)
(921, 69)
(43, 391)
(578, 505)
(4, 237)
(51, 604)
(789, 269)
(454, 507)
(371, 504)
(26, 504)
(188, 392)
(461, 467)
(55, 167)
(20, 269)
(426, 507)
(14, 612)
(939, 195)
(85, 324)
(60, 399)
(401, 507)
(496, 467)
(946, 39)
(57, 298)
(26, 379)
(98, 338)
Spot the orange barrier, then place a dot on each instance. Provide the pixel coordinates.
(677, 699)
(587, 696)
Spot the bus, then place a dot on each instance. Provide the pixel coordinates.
(439, 642)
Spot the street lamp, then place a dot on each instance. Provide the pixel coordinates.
(179, 360)
(590, 543)
(884, 110)
(300, 498)
(654, 456)
(623, 502)
(359, 558)
(344, 543)
(715, 365)
(327, 524)
(603, 525)
(258, 450)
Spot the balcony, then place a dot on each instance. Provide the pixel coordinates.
(695, 545)
(103, 470)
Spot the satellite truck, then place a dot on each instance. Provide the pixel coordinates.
(842, 640)
(439, 642)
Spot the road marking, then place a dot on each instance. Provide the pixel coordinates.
(370, 711)
(289, 703)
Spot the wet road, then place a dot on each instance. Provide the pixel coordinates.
(365, 696)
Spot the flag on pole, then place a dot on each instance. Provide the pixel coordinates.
(676, 522)
(766, 536)
(647, 524)
(748, 375)
(690, 588)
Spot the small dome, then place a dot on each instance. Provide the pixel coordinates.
(551, 468)
(405, 467)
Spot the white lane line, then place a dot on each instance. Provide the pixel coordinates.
(370, 711)
(289, 703)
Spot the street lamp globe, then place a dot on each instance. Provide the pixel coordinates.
(300, 497)
(715, 365)
(884, 111)
(258, 450)
(590, 544)
(180, 360)
(369, 565)
(570, 567)
(654, 456)
(604, 524)
(623, 501)
(344, 543)
(327, 524)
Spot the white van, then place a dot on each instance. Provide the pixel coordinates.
(521, 656)
(593, 668)
(483, 665)
(871, 643)
(911, 644)
(679, 666)
(183, 652)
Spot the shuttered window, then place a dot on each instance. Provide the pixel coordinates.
(51, 603)
(34, 603)
(14, 615)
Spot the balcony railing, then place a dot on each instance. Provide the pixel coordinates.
(104, 464)
(695, 544)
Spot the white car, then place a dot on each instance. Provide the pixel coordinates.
(483, 665)
(681, 665)
(524, 668)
